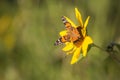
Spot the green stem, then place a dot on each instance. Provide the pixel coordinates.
(111, 53)
(99, 47)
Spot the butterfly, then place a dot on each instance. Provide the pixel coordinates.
(72, 34)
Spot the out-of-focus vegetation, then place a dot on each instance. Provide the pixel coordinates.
(28, 29)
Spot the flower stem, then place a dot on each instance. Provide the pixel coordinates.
(99, 47)
(111, 53)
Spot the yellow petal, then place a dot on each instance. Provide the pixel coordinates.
(68, 46)
(85, 44)
(86, 22)
(63, 33)
(76, 55)
(85, 25)
(83, 32)
(78, 16)
(73, 25)
(70, 52)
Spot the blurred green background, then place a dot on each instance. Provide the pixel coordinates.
(29, 28)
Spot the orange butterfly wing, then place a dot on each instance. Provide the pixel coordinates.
(73, 34)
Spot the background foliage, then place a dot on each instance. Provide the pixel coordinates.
(29, 28)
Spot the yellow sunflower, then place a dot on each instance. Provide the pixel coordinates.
(80, 48)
